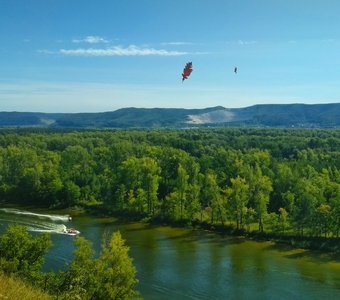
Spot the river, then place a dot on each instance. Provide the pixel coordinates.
(175, 263)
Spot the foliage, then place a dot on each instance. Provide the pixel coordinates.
(22, 254)
(111, 276)
(215, 175)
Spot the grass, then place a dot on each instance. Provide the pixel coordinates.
(14, 289)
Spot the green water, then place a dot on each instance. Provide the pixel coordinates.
(175, 263)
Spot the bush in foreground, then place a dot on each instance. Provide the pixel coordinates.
(111, 276)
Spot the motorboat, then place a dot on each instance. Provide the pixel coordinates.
(71, 231)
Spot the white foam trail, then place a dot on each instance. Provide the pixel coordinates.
(62, 218)
(35, 222)
(59, 229)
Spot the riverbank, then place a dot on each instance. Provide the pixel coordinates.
(319, 244)
(330, 245)
(174, 262)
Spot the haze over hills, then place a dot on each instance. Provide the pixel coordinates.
(266, 115)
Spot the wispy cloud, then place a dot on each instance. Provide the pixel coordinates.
(91, 39)
(244, 43)
(120, 51)
(176, 43)
(45, 51)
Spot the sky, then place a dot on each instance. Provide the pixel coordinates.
(94, 56)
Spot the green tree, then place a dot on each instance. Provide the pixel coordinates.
(261, 189)
(78, 167)
(21, 253)
(249, 216)
(335, 213)
(282, 185)
(283, 219)
(238, 199)
(150, 180)
(169, 205)
(323, 218)
(81, 281)
(305, 203)
(70, 194)
(193, 200)
(193, 204)
(111, 276)
(119, 274)
(142, 173)
(212, 193)
(182, 187)
(50, 181)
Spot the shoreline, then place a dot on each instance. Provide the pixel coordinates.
(327, 245)
(324, 245)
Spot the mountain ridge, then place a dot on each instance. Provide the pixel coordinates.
(259, 115)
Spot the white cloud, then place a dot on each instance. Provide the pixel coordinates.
(91, 40)
(120, 51)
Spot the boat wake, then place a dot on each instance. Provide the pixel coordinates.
(33, 221)
(62, 218)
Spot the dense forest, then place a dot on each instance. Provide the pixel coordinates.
(282, 181)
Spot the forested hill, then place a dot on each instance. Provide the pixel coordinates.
(269, 115)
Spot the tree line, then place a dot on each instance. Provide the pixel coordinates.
(284, 181)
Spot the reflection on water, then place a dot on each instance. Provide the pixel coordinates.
(175, 263)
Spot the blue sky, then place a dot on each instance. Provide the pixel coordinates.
(91, 56)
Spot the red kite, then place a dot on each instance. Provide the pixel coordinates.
(187, 71)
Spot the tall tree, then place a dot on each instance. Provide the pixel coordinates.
(111, 276)
(150, 181)
(182, 187)
(323, 219)
(193, 205)
(238, 199)
(305, 204)
(212, 193)
(119, 276)
(261, 188)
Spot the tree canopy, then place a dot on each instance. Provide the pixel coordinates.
(240, 176)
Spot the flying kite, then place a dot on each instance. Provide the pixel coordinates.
(187, 71)
(235, 70)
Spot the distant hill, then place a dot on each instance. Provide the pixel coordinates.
(266, 115)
